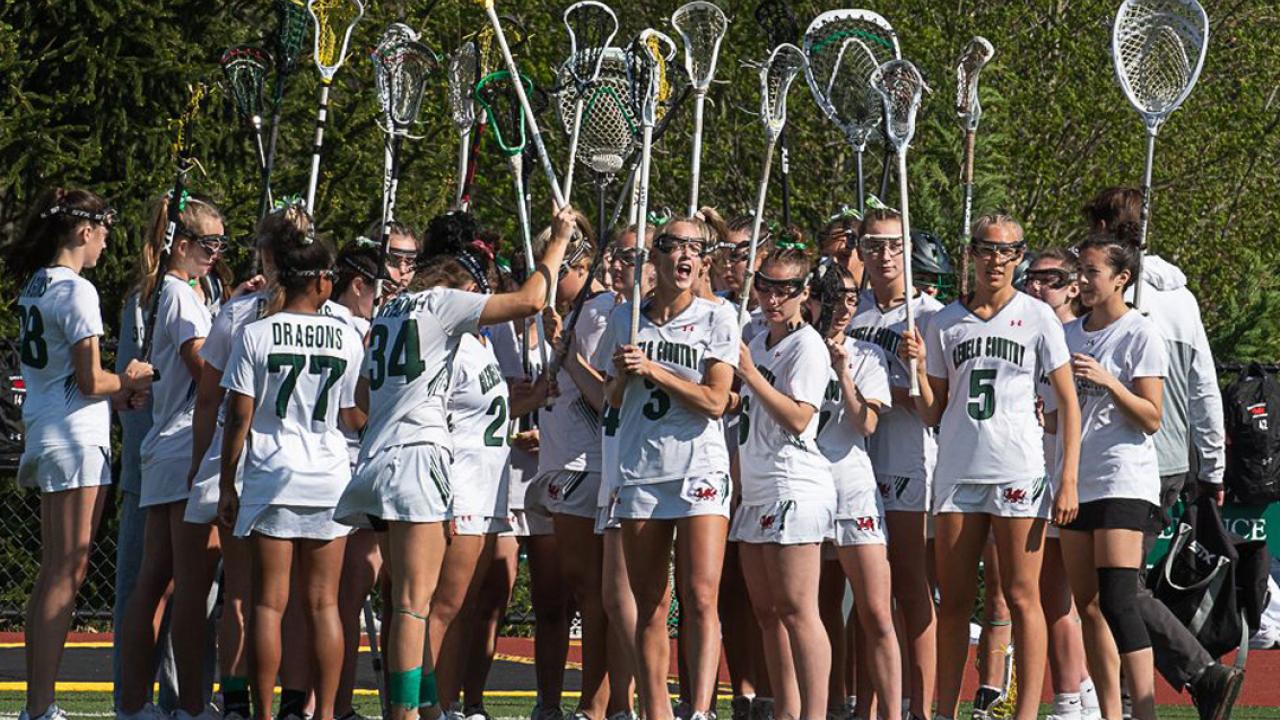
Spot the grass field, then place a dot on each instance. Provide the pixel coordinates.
(510, 706)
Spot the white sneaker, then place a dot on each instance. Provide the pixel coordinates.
(53, 712)
(148, 712)
(454, 713)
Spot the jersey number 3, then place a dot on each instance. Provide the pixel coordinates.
(406, 356)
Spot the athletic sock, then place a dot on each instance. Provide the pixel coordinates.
(292, 702)
(1089, 697)
(1066, 706)
(235, 696)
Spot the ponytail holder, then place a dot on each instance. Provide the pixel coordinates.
(287, 201)
(874, 203)
(364, 242)
(182, 199)
(847, 213)
(483, 249)
(789, 245)
(659, 218)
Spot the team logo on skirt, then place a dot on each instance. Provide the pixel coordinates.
(865, 524)
(1015, 496)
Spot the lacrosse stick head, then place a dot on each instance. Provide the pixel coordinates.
(701, 26)
(464, 72)
(844, 47)
(592, 27)
(497, 96)
(778, 21)
(900, 86)
(651, 56)
(1158, 47)
(334, 20)
(291, 38)
(607, 131)
(246, 70)
(784, 65)
(975, 56)
(400, 72)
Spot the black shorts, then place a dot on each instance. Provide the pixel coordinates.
(377, 523)
(1117, 514)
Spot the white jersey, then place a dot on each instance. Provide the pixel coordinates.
(411, 347)
(569, 430)
(300, 370)
(843, 446)
(522, 466)
(660, 439)
(1117, 459)
(478, 416)
(233, 316)
(777, 465)
(56, 310)
(180, 318)
(361, 326)
(902, 446)
(989, 431)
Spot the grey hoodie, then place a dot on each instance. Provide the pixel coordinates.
(1192, 400)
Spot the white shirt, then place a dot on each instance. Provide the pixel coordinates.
(56, 310)
(411, 347)
(659, 438)
(181, 317)
(775, 464)
(300, 370)
(569, 430)
(361, 326)
(902, 446)
(843, 446)
(1117, 459)
(233, 316)
(522, 466)
(478, 417)
(989, 431)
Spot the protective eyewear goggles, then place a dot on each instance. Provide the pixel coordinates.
(788, 289)
(626, 256)
(994, 250)
(668, 243)
(741, 252)
(881, 244)
(402, 259)
(1052, 278)
(213, 244)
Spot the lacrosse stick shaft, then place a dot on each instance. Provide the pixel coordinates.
(966, 231)
(642, 251)
(255, 124)
(522, 209)
(596, 263)
(530, 118)
(375, 655)
(623, 195)
(322, 115)
(1145, 218)
(267, 201)
(695, 175)
(749, 277)
(887, 175)
(473, 163)
(785, 168)
(390, 182)
(906, 262)
(464, 155)
(862, 182)
(567, 191)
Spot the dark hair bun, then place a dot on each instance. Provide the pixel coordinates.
(450, 233)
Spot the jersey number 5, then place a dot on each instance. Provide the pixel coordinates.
(294, 363)
(406, 356)
(982, 394)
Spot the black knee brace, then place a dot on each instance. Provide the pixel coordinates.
(1118, 600)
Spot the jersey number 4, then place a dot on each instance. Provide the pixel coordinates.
(293, 364)
(405, 357)
(982, 394)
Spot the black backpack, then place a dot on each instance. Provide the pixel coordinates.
(1251, 405)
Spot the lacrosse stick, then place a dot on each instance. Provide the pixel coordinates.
(672, 93)
(776, 76)
(592, 27)
(375, 655)
(779, 24)
(401, 66)
(245, 69)
(607, 137)
(976, 55)
(330, 53)
(843, 48)
(534, 133)
(653, 52)
(290, 39)
(1158, 47)
(463, 69)
(501, 100)
(184, 124)
(702, 26)
(900, 86)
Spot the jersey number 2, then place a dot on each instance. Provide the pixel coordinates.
(495, 434)
(982, 394)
